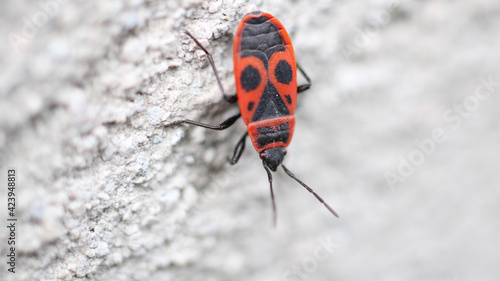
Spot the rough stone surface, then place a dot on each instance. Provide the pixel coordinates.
(399, 133)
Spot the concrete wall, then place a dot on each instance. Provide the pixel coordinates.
(399, 133)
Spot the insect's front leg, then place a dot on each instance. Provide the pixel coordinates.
(229, 98)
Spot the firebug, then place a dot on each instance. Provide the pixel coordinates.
(266, 91)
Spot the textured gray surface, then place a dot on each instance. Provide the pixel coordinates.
(105, 193)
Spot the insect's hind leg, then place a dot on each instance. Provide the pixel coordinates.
(306, 86)
(238, 150)
(222, 126)
(228, 98)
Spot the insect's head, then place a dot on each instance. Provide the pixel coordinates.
(273, 157)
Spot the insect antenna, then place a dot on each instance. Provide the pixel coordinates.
(270, 177)
(310, 190)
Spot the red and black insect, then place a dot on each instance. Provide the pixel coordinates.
(266, 91)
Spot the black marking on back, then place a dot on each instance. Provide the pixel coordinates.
(261, 36)
(257, 20)
(271, 105)
(282, 127)
(250, 78)
(283, 72)
(273, 129)
(273, 134)
(265, 139)
(266, 130)
(261, 39)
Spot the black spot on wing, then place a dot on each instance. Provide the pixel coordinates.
(250, 105)
(250, 78)
(288, 99)
(283, 72)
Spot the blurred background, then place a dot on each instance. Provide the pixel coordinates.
(399, 134)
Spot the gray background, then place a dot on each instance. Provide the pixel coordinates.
(105, 193)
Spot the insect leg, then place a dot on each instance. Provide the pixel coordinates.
(222, 126)
(270, 177)
(310, 190)
(238, 150)
(228, 98)
(306, 86)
